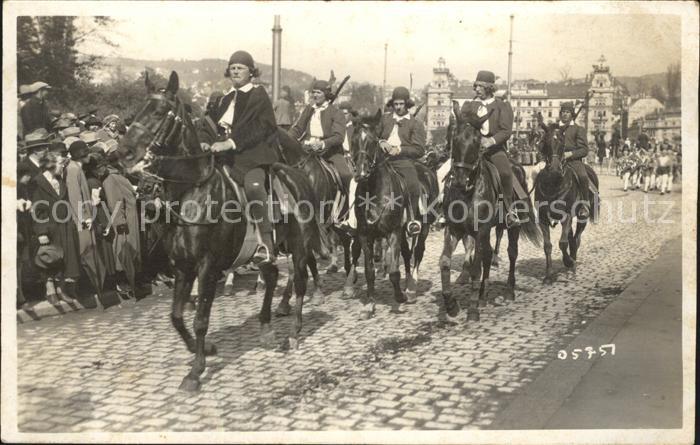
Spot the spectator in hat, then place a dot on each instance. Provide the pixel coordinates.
(52, 226)
(22, 97)
(284, 110)
(89, 137)
(92, 123)
(35, 112)
(110, 128)
(69, 132)
(349, 114)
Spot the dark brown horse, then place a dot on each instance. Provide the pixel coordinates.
(558, 198)
(208, 230)
(471, 209)
(379, 205)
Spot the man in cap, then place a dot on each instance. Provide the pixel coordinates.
(247, 131)
(575, 150)
(495, 132)
(349, 114)
(35, 112)
(321, 128)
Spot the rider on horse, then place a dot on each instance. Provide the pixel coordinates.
(402, 138)
(575, 149)
(495, 132)
(321, 128)
(247, 131)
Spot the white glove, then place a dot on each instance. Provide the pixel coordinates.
(487, 142)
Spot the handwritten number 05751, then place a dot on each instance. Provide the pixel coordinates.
(588, 352)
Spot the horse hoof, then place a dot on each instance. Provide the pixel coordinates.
(209, 349)
(332, 269)
(293, 344)
(472, 314)
(348, 293)
(283, 309)
(400, 297)
(367, 311)
(510, 295)
(548, 280)
(228, 289)
(267, 339)
(451, 305)
(190, 384)
(463, 278)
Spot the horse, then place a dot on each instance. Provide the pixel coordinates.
(329, 194)
(557, 200)
(380, 208)
(470, 205)
(162, 143)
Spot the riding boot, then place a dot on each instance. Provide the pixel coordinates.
(511, 216)
(350, 223)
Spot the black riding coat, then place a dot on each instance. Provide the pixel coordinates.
(253, 130)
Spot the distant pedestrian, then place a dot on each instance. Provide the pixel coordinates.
(284, 109)
(35, 112)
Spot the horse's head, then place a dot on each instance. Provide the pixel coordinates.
(550, 144)
(365, 145)
(157, 129)
(464, 142)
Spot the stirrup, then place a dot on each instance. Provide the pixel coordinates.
(263, 256)
(413, 228)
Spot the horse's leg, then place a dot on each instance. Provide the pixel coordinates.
(499, 235)
(300, 259)
(333, 268)
(418, 251)
(284, 308)
(566, 223)
(181, 294)
(228, 285)
(575, 238)
(347, 242)
(394, 264)
(484, 236)
(317, 293)
(463, 277)
(368, 302)
(351, 279)
(406, 254)
(448, 247)
(547, 244)
(269, 273)
(513, 238)
(207, 287)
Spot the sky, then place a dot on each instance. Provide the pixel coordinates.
(350, 37)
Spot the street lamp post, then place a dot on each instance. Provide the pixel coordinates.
(276, 58)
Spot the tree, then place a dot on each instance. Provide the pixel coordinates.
(565, 73)
(658, 93)
(673, 84)
(365, 97)
(47, 51)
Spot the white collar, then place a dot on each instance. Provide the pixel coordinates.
(398, 118)
(323, 106)
(245, 88)
(35, 162)
(562, 124)
(487, 101)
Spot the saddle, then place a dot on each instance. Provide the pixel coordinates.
(589, 171)
(333, 172)
(495, 177)
(278, 193)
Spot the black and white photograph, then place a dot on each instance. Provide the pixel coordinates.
(349, 222)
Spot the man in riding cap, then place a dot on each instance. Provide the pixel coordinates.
(403, 140)
(495, 132)
(247, 132)
(321, 128)
(574, 139)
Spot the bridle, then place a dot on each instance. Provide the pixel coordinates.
(171, 131)
(366, 137)
(470, 167)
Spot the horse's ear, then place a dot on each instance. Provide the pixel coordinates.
(455, 109)
(173, 83)
(149, 84)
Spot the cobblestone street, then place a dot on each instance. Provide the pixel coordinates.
(119, 369)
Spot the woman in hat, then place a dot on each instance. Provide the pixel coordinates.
(35, 112)
(247, 131)
(284, 109)
(53, 226)
(321, 128)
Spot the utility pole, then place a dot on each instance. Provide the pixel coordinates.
(510, 56)
(410, 83)
(386, 45)
(276, 58)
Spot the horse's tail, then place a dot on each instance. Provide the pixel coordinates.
(314, 236)
(529, 228)
(595, 199)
